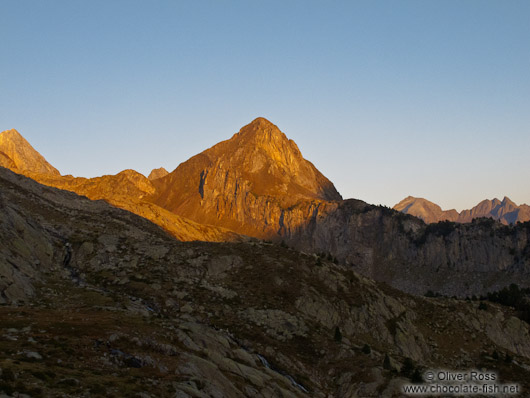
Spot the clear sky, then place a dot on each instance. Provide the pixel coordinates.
(386, 98)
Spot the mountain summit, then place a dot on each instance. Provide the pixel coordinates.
(505, 211)
(17, 154)
(256, 173)
(426, 210)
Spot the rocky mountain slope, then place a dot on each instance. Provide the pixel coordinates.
(427, 211)
(245, 183)
(505, 211)
(157, 173)
(17, 154)
(127, 190)
(401, 250)
(101, 302)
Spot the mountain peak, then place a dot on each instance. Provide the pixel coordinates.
(157, 173)
(262, 132)
(506, 211)
(425, 209)
(23, 155)
(257, 171)
(261, 121)
(13, 134)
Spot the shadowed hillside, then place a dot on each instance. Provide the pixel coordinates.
(98, 301)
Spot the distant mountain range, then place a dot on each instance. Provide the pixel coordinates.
(505, 211)
(258, 185)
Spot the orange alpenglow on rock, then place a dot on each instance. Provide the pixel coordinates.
(158, 173)
(17, 154)
(244, 183)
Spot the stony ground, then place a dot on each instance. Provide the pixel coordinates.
(99, 302)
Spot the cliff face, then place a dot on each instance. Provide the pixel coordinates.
(447, 258)
(245, 183)
(505, 211)
(17, 153)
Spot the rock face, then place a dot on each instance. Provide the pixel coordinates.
(128, 190)
(448, 258)
(158, 173)
(244, 183)
(98, 301)
(17, 153)
(505, 211)
(7, 162)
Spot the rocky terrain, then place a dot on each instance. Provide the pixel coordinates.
(126, 190)
(428, 211)
(98, 301)
(257, 184)
(17, 154)
(447, 258)
(505, 211)
(244, 183)
(157, 173)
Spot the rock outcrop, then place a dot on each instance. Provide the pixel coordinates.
(505, 211)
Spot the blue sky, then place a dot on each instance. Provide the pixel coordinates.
(386, 98)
